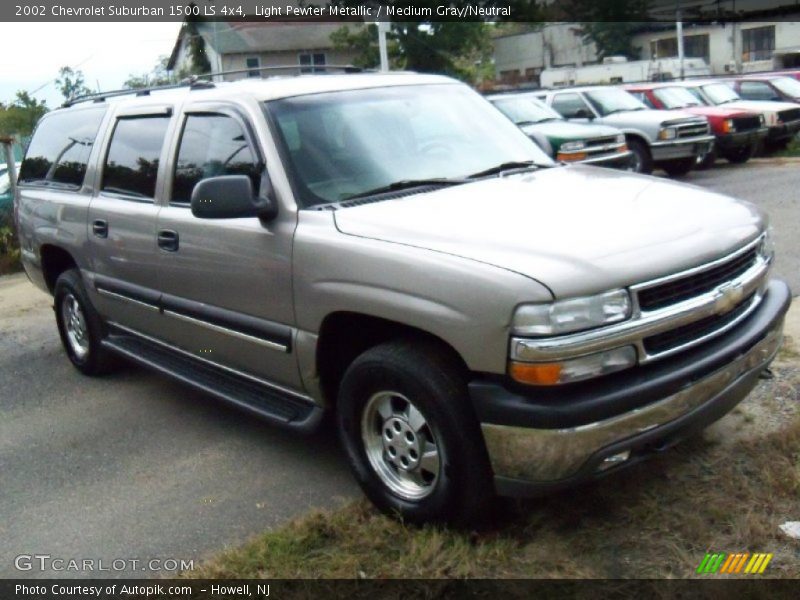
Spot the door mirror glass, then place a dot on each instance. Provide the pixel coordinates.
(230, 197)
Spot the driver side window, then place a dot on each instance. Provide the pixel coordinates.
(211, 145)
(571, 106)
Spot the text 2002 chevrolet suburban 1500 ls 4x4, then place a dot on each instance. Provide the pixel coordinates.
(391, 249)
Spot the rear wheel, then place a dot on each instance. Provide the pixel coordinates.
(79, 325)
(412, 439)
(641, 160)
(678, 167)
(739, 155)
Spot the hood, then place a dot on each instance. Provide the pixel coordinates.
(760, 106)
(647, 117)
(578, 229)
(563, 131)
(722, 111)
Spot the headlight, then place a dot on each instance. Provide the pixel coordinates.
(668, 133)
(621, 138)
(575, 369)
(575, 314)
(766, 249)
(572, 146)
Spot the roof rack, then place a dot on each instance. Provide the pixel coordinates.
(197, 81)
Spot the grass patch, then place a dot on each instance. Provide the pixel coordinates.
(793, 149)
(655, 521)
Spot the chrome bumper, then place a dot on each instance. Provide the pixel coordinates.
(546, 457)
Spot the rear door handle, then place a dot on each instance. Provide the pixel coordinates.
(168, 240)
(100, 228)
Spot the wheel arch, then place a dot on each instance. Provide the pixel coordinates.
(55, 260)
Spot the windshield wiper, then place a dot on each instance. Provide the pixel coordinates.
(506, 166)
(404, 184)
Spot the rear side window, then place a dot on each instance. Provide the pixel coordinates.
(131, 165)
(212, 145)
(569, 105)
(60, 148)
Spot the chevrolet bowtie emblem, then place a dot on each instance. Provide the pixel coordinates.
(728, 297)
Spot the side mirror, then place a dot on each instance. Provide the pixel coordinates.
(230, 197)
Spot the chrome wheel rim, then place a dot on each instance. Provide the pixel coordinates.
(75, 326)
(400, 445)
(636, 163)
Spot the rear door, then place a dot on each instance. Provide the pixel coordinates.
(226, 283)
(123, 215)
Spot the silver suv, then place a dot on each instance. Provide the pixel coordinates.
(391, 250)
(672, 140)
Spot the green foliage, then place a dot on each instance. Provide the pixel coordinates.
(197, 46)
(611, 24)
(70, 83)
(20, 117)
(157, 76)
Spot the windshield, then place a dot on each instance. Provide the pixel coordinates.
(790, 87)
(611, 100)
(719, 93)
(343, 144)
(526, 109)
(675, 97)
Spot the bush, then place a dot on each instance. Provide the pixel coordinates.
(9, 246)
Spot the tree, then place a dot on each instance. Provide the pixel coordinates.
(611, 24)
(197, 46)
(70, 83)
(20, 117)
(157, 76)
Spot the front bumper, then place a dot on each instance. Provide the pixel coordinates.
(620, 160)
(539, 444)
(741, 139)
(784, 131)
(681, 148)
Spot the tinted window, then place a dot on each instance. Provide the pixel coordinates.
(132, 161)
(570, 105)
(60, 148)
(212, 145)
(756, 90)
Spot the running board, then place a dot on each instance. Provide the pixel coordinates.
(266, 402)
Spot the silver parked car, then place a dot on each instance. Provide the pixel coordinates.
(671, 140)
(392, 250)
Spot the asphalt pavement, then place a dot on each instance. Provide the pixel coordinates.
(133, 467)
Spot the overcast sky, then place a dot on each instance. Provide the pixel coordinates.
(106, 53)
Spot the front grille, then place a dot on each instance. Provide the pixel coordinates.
(793, 114)
(687, 130)
(693, 285)
(662, 342)
(746, 123)
(602, 141)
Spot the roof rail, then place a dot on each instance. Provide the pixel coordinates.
(197, 81)
(300, 70)
(145, 91)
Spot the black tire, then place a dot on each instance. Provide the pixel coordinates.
(679, 167)
(642, 160)
(424, 374)
(96, 360)
(707, 161)
(739, 155)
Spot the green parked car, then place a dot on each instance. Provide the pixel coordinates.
(6, 197)
(561, 139)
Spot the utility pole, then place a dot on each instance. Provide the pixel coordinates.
(383, 29)
(679, 35)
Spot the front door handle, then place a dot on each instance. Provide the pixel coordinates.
(168, 240)
(100, 228)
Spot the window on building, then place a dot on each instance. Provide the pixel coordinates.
(211, 145)
(60, 148)
(311, 61)
(131, 165)
(253, 62)
(758, 43)
(694, 46)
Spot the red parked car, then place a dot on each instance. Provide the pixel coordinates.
(738, 133)
(778, 88)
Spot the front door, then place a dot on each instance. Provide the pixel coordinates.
(226, 283)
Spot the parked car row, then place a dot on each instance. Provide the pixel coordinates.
(674, 125)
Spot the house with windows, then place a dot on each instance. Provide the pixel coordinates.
(248, 46)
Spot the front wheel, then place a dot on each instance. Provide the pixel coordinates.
(678, 167)
(641, 159)
(739, 155)
(411, 436)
